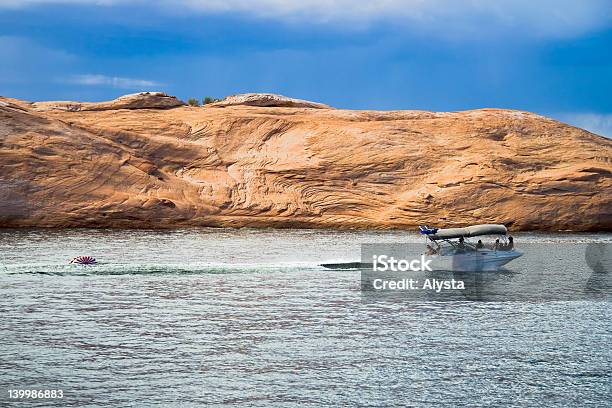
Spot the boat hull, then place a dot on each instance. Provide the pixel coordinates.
(474, 261)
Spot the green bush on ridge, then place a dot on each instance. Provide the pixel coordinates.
(209, 99)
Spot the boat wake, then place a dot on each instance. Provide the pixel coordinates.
(101, 268)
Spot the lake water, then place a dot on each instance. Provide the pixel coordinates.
(221, 317)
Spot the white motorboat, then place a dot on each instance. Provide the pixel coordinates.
(451, 250)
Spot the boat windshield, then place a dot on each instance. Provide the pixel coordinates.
(453, 246)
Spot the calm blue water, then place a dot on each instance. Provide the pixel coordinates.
(242, 317)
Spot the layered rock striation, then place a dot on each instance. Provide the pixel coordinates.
(266, 100)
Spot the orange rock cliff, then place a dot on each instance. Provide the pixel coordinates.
(263, 160)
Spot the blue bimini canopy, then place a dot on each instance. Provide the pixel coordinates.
(425, 230)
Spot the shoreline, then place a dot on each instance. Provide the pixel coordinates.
(272, 229)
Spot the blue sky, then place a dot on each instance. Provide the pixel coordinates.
(550, 57)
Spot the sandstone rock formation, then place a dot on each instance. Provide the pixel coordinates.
(142, 100)
(298, 167)
(267, 100)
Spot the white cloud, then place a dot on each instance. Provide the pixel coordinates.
(598, 123)
(115, 82)
(518, 17)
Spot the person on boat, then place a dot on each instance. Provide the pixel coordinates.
(497, 245)
(461, 245)
(510, 245)
(479, 244)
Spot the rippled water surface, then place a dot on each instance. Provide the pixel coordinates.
(221, 317)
